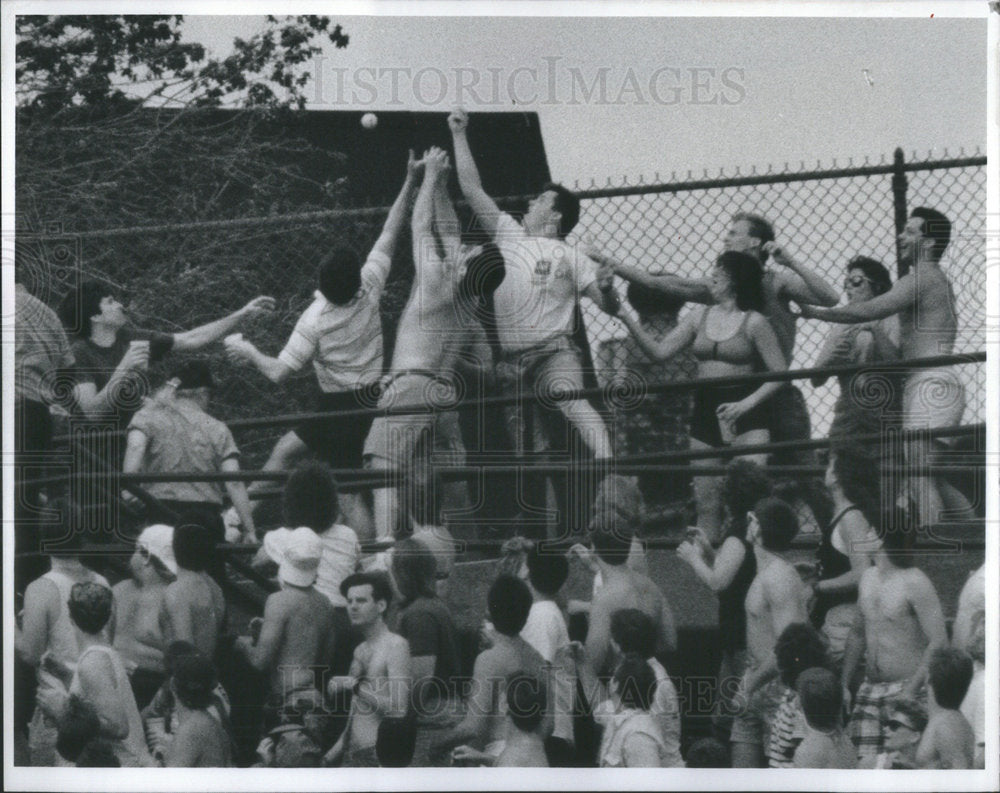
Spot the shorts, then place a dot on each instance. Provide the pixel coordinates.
(873, 708)
(753, 723)
(705, 422)
(933, 398)
(395, 437)
(339, 440)
(554, 365)
(361, 758)
(790, 422)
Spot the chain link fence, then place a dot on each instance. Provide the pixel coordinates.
(177, 277)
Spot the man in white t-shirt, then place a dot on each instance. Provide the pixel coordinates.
(341, 334)
(536, 304)
(545, 629)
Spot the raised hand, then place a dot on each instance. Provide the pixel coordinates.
(458, 120)
(436, 161)
(414, 167)
(777, 253)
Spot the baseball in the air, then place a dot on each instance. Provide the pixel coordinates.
(369, 120)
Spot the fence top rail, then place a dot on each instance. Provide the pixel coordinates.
(639, 188)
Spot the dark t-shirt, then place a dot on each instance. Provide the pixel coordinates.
(427, 625)
(732, 614)
(96, 364)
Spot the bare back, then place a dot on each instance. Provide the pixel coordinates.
(142, 624)
(493, 667)
(776, 598)
(307, 623)
(196, 610)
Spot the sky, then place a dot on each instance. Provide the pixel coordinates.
(678, 94)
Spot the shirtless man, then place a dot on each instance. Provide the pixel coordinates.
(484, 726)
(297, 633)
(932, 398)
(622, 588)
(380, 672)
(196, 608)
(141, 638)
(899, 625)
(948, 742)
(439, 321)
(776, 598)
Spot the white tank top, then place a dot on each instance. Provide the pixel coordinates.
(131, 750)
(61, 642)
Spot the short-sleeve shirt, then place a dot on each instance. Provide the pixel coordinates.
(95, 364)
(341, 552)
(344, 342)
(427, 625)
(543, 282)
(182, 437)
(545, 629)
(666, 712)
(787, 731)
(41, 349)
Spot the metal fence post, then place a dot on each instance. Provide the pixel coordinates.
(899, 183)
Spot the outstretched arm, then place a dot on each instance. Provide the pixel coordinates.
(691, 289)
(274, 369)
(203, 335)
(426, 259)
(799, 283)
(386, 242)
(446, 225)
(902, 295)
(468, 175)
(675, 341)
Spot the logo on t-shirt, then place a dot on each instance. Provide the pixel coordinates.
(543, 267)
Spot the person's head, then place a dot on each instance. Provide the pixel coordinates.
(368, 596)
(865, 279)
(634, 632)
(77, 727)
(748, 233)
(925, 236)
(396, 741)
(548, 570)
(98, 753)
(773, 524)
(176, 649)
(634, 682)
(527, 701)
(194, 548)
(950, 673)
(91, 305)
(414, 569)
(856, 472)
(822, 698)
(745, 484)
(310, 497)
(153, 559)
(739, 276)
(480, 272)
(907, 722)
(652, 302)
(707, 753)
(193, 680)
(194, 381)
(297, 553)
(340, 276)
(553, 213)
(898, 532)
(610, 537)
(508, 602)
(799, 647)
(90, 607)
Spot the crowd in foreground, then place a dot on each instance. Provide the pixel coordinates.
(360, 662)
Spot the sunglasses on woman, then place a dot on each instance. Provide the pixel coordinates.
(856, 281)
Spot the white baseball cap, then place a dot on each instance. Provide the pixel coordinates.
(297, 552)
(158, 539)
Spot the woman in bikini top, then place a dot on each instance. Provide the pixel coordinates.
(736, 350)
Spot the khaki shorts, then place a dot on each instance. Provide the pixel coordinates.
(395, 437)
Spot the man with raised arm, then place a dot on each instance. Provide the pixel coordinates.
(441, 318)
(536, 304)
(341, 335)
(899, 625)
(924, 300)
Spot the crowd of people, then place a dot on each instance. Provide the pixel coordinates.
(358, 659)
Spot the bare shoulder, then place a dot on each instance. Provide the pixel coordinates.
(42, 591)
